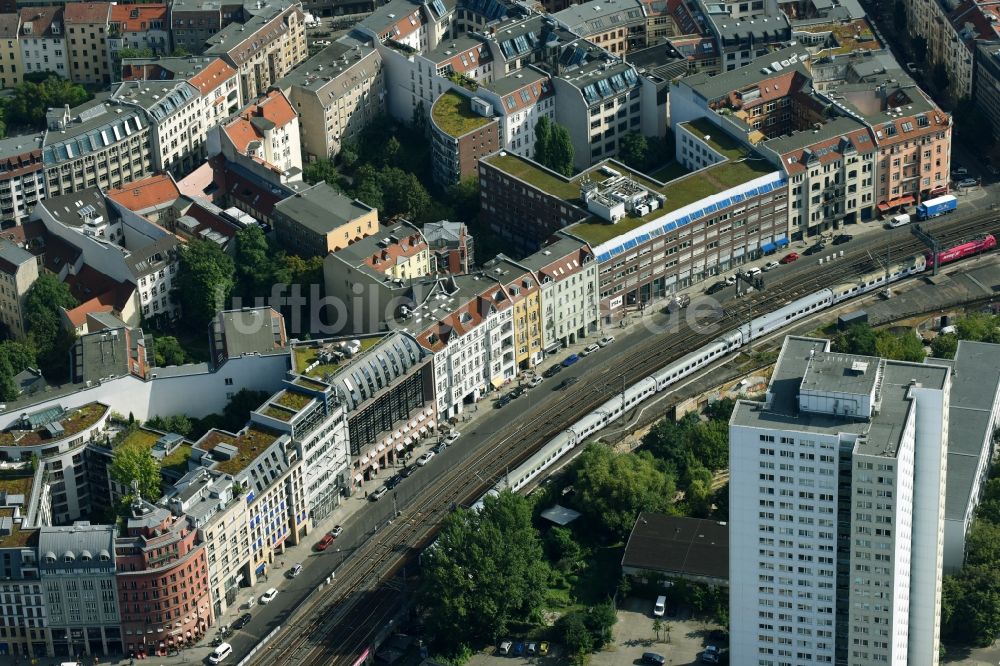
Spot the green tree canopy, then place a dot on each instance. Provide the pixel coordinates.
(32, 99)
(168, 351)
(858, 339)
(576, 637)
(485, 572)
(633, 149)
(320, 171)
(612, 488)
(44, 324)
(253, 259)
(543, 139)
(561, 151)
(945, 345)
(204, 282)
(133, 460)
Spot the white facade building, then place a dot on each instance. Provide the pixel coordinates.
(176, 118)
(827, 576)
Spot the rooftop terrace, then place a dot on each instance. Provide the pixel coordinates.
(17, 537)
(303, 356)
(854, 36)
(716, 139)
(17, 481)
(680, 192)
(177, 460)
(76, 421)
(250, 443)
(453, 113)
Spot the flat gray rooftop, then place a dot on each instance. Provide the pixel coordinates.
(321, 208)
(879, 435)
(841, 373)
(974, 389)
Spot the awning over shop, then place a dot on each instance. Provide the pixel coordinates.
(497, 382)
(381, 448)
(768, 247)
(400, 447)
(408, 441)
(781, 241)
(430, 424)
(359, 478)
(422, 430)
(364, 460)
(895, 203)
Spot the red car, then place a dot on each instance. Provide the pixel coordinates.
(790, 257)
(324, 543)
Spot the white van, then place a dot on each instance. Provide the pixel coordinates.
(220, 653)
(505, 647)
(660, 609)
(899, 220)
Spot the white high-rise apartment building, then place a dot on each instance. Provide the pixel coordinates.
(837, 502)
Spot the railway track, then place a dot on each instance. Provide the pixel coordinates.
(336, 625)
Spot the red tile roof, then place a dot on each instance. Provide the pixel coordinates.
(389, 256)
(143, 194)
(136, 18)
(87, 12)
(275, 108)
(212, 76)
(797, 161)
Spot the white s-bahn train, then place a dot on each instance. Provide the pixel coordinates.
(666, 377)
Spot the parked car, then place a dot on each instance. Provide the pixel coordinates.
(710, 655)
(505, 647)
(790, 257)
(716, 288)
(552, 371)
(968, 182)
(517, 392)
(590, 349)
(518, 648)
(336, 531)
(378, 494)
(606, 340)
(566, 383)
(660, 607)
(730, 279)
(753, 272)
(531, 649)
(452, 436)
(295, 570)
(815, 248)
(502, 401)
(242, 621)
(653, 659)
(534, 381)
(393, 481)
(570, 360)
(323, 543)
(439, 447)
(840, 239)
(770, 266)
(426, 458)
(543, 648)
(959, 172)
(406, 471)
(268, 596)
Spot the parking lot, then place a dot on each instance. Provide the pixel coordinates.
(633, 635)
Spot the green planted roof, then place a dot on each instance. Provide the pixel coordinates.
(453, 114)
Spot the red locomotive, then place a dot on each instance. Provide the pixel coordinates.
(976, 246)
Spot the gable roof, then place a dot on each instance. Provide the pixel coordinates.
(212, 76)
(147, 193)
(87, 12)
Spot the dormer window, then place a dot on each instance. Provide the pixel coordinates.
(86, 556)
(68, 556)
(50, 557)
